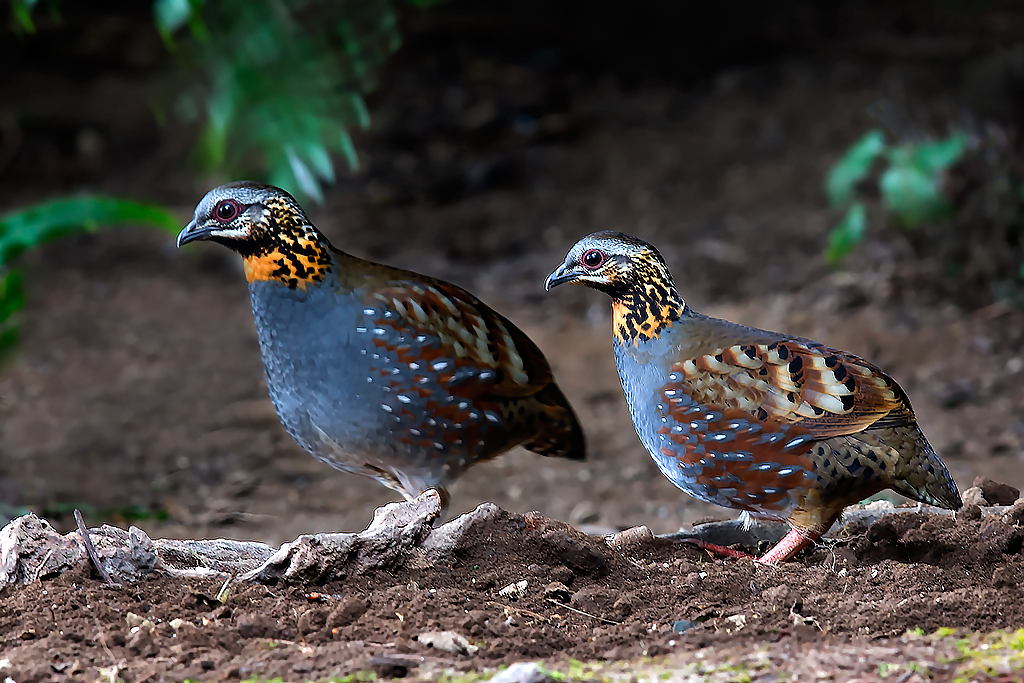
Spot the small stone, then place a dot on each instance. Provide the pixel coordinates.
(133, 620)
(556, 590)
(177, 623)
(974, 496)
(136, 622)
(1015, 515)
(997, 493)
(631, 538)
(969, 512)
(514, 591)
(521, 672)
(449, 641)
(738, 621)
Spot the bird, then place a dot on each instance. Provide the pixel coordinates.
(777, 426)
(382, 372)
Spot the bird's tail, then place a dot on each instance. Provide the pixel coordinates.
(925, 478)
(558, 432)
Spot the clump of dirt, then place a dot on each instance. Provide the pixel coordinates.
(525, 587)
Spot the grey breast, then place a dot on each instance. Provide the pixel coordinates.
(313, 365)
(336, 380)
(643, 370)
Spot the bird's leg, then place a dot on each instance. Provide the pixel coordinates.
(719, 549)
(792, 543)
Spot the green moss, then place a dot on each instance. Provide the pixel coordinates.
(989, 655)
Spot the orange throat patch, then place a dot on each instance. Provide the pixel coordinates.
(634, 324)
(306, 263)
(644, 313)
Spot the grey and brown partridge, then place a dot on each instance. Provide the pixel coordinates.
(776, 426)
(379, 371)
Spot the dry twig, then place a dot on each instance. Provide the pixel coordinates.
(91, 550)
(586, 614)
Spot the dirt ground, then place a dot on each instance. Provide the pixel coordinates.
(137, 394)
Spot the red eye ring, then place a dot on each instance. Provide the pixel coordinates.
(592, 259)
(226, 210)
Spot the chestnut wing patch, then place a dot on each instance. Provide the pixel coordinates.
(465, 331)
(823, 391)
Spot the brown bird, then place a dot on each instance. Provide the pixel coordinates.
(776, 426)
(379, 371)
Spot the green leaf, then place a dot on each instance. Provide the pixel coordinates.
(11, 301)
(935, 157)
(11, 297)
(841, 182)
(320, 160)
(21, 10)
(348, 150)
(8, 340)
(26, 228)
(847, 234)
(362, 113)
(32, 226)
(912, 195)
(307, 183)
(170, 15)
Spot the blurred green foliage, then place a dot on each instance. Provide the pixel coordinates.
(26, 228)
(277, 86)
(959, 199)
(910, 187)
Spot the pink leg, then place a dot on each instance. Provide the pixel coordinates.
(719, 549)
(792, 543)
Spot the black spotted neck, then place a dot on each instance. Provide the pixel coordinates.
(650, 304)
(286, 248)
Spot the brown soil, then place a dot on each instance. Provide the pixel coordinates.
(581, 600)
(137, 393)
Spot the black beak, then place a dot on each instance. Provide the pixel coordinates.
(191, 233)
(560, 276)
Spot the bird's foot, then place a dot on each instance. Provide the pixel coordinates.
(792, 543)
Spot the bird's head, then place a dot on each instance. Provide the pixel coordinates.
(632, 272)
(267, 227)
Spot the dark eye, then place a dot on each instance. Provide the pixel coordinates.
(592, 259)
(226, 210)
